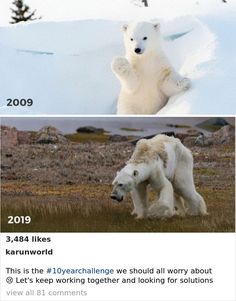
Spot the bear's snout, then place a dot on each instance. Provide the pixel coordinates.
(138, 50)
(116, 198)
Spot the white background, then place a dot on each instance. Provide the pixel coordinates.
(123, 250)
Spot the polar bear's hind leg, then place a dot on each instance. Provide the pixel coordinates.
(175, 84)
(185, 187)
(180, 206)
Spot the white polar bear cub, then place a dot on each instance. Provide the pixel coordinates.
(146, 76)
(166, 165)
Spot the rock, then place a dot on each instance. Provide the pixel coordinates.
(177, 125)
(8, 155)
(50, 135)
(193, 132)
(90, 130)
(169, 133)
(201, 140)
(204, 141)
(9, 136)
(213, 123)
(181, 136)
(224, 135)
(117, 138)
(189, 141)
(5, 167)
(24, 137)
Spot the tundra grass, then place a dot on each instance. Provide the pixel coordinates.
(84, 208)
(88, 137)
(131, 129)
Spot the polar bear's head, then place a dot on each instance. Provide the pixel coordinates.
(123, 183)
(141, 38)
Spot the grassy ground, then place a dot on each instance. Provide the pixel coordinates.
(83, 208)
(83, 204)
(85, 137)
(131, 129)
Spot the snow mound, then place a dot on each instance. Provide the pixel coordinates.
(65, 66)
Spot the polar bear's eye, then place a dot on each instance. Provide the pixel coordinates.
(145, 38)
(131, 39)
(120, 185)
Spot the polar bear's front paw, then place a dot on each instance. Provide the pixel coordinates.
(120, 65)
(184, 84)
(140, 216)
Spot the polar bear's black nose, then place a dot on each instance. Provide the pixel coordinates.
(113, 196)
(137, 50)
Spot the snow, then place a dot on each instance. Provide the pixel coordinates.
(68, 10)
(64, 66)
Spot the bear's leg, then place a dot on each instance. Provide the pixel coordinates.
(125, 108)
(179, 205)
(174, 84)
(139, 197)
(126, 74)
(195, 202)
(164, 206)
(184, 185)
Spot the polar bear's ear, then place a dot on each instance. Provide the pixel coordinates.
(135, 173)
(156, 26)
(125, 27)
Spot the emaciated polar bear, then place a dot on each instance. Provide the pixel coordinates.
(167, 165)
(146, 76)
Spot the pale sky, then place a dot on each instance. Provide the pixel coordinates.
(61, 10)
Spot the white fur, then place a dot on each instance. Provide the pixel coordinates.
(147, 79)
(171, 180)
